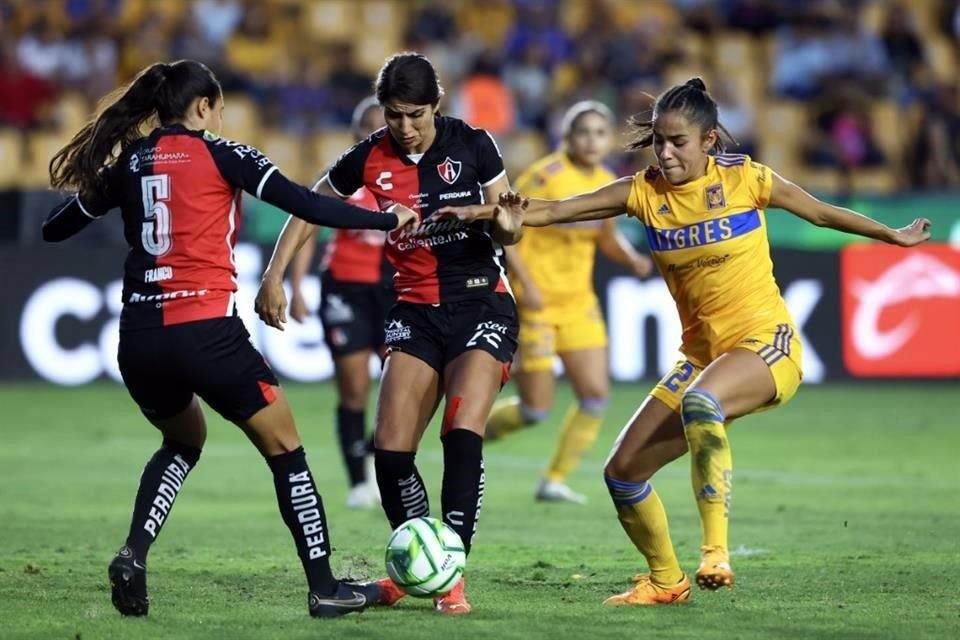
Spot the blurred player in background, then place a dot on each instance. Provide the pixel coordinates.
(705, 225)
(179, 191)
(453, 332)
(551, 269)
(356, 293)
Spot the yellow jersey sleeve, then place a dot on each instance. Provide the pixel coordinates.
(536, 181)
(638, 195)
(759, 181)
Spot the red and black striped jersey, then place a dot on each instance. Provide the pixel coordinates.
(179, 193)
(355, 255)
(443, 260)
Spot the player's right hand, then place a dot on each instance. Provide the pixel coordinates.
(298, 305)
(405, 217)
(509, 210)
(271, 303)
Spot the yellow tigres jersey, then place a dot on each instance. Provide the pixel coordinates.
(560, 258)
(709, 240)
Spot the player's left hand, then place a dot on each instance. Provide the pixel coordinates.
(508, 213)
(913, 234)
(642, 266)
(271, 303)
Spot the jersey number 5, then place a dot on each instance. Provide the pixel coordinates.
(156, 234)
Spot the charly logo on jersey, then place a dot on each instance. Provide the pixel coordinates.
(396, 331)
(449, 170)
(715, 198)
(134, 163)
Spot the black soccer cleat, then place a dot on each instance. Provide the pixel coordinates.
(349, 597)
(128, 583)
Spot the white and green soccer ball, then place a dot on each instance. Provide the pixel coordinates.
(425, 557)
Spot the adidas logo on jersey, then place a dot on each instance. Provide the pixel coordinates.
(664, 209)
(396, 331)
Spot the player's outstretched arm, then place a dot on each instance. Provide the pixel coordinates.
(789, 196)
(609, 201)
(506, 229)
(617, 248)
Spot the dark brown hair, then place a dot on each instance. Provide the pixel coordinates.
(690, 99)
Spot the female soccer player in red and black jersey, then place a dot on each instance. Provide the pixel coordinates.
(355, 295)
(179, 190)
(453, 331)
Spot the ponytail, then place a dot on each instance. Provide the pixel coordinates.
(693, 101)
(161, 91)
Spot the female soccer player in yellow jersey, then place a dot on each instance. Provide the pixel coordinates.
(705, 225)
(552, 275)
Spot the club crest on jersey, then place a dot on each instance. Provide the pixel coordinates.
(449, 170)
(715, 199)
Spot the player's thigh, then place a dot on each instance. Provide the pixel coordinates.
(471, 384)
(740, 380)
(352, 374)
(653, 437)
(227, 371)
(149, 361)
(536, 389)
(587, 371)
(536, 343)
(408, 397)
(272, 429)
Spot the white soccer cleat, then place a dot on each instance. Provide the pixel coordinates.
(360, 497)
(558, 492)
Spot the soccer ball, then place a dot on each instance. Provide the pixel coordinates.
(425, 557)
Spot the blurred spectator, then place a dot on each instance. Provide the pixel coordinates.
(301, 102)
(92, 12)
(902, 42)
(24, 96)
(252, 51)
(755, 16)
(736, 115)
(537, 23)
(41, 49)
(483, 99)
(934, 159)
(529, 81)
(191, 41)
(700, 15)
(348, 84)
(217, 19)
(434, 22)
(145, 44)
(844, 137)
(91, 61)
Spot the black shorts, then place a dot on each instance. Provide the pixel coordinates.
(439, 333)
(353, 314)
(164, 366)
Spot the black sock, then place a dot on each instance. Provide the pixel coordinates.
(160, 483)
(302, 510)
(402, 493)
(462, 493)
(353, 448)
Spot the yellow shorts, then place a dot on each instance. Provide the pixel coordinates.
(779, 349)
(544, 334)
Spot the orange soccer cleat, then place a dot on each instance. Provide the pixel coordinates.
(648, 592)
(454, 602)
(715, 571)
(390, 592)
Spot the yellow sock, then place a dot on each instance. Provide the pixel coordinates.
(507, 417)
(579, 432)
(643, 518)
(711, 463)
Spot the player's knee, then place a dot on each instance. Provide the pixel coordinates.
(698, 405)
(627, 492)
(532, 415)
(595, 405)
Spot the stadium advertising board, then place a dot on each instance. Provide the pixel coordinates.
(64, 306)
(901, 310)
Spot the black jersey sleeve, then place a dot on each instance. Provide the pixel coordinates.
(247, 168)
(489, 161)
(71, 216)
(346, 175)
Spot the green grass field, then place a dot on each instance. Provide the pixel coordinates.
(846, 524)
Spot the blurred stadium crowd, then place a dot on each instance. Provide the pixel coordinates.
(841, 96)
